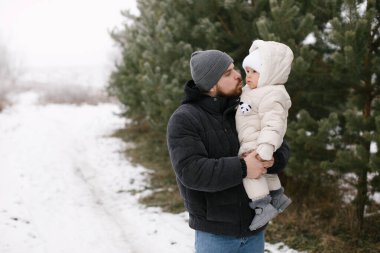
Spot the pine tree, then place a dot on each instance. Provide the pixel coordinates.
(355, 36)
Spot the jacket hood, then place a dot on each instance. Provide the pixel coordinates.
(276, 61)
(194, 95)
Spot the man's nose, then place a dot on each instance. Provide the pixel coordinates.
(237, 74)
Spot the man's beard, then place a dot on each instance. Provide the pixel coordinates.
(232, 93)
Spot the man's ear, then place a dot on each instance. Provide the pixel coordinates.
(212, 92)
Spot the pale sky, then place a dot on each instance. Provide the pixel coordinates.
(61, 33)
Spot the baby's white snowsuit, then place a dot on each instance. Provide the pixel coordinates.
(261, 119)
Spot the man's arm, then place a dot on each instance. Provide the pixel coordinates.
(190, 160)
(281, 158)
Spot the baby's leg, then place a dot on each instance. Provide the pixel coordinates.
(257, 190)
(273, 181)
(279, 200)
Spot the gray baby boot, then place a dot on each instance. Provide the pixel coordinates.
(279, 200)
(264, 212)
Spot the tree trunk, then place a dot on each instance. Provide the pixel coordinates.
(362, 197)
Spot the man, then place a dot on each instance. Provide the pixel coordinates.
(203, 146)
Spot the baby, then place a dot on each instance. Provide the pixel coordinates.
(261, 122)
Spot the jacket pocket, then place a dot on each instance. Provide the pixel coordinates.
(225, 213)
(223, 206)
(195, 209)
(226, 197)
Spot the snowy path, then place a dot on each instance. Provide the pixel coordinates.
(65, 187)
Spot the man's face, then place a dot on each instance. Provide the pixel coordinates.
(230, 84)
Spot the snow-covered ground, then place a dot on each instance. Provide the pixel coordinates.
(66, 187)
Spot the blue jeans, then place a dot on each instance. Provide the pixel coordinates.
(211, 243)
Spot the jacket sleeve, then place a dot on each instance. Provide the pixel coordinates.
(189, 157)
(281, 158)
(273, 111)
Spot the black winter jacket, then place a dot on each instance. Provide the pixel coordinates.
(203, 146)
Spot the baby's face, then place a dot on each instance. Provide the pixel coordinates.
(252, 77)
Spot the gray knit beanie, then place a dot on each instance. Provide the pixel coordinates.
(207, 67)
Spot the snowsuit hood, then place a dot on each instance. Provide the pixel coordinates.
(276, 59)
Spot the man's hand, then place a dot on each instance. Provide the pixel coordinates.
(256, 168)
(268, 163)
